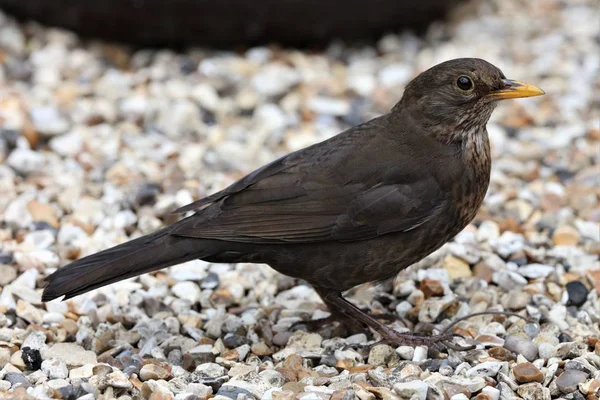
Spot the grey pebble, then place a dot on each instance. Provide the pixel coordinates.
(567, 381)
(520, 345)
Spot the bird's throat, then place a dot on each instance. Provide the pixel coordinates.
(478, 163)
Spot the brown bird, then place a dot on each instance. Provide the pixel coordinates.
(356, 208)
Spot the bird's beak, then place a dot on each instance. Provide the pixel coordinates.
(515, 89)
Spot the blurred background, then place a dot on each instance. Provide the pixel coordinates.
(140, 107)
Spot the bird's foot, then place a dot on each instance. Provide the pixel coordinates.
(316, 324)
(438, 342)
(444, 340)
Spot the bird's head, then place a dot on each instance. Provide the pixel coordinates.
(455, 99)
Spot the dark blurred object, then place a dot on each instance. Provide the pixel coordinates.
(230, 22)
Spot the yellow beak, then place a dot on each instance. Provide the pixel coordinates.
(515, 89)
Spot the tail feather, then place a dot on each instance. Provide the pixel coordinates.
(148, 253)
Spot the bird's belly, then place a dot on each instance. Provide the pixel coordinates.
(343, 265)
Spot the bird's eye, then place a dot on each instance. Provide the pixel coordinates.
(464, 83)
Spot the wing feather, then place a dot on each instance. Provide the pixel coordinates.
(349, 198)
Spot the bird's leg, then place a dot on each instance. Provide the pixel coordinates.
(389, 336)
(316, 324)
(338, 315)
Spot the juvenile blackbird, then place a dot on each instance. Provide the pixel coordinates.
(356, 208)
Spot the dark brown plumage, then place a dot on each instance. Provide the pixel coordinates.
(356, 208)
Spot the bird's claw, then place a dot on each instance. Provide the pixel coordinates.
(441, 341)
(314, 324)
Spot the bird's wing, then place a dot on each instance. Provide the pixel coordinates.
(293, 201)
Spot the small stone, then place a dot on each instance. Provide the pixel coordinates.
(431, 288)
(508, 243)
(416, 298)
(69, 144)
(117, 379)
(580, 364)
(456, 268)
(381, 355)
(153, 371)
(294, 387)
(508, 280)
(7, 274)
(588, 229)
(432, 364)
(5, 355)
(17, 360)
(419, 354)
(491, 392)
(527, 372)
(195, 270)
(7, 369)
(101, 370)
(84, 371)
(409, 370)
(241, 370)
(281, 338)
(70, 353)
(488, 368)
(546, 350)
(483, 271)
(232, 340)
(536, 271)
(41, 212)
(329, 106)
(161, 395)
(396, 74)
(305, 340)
(489, 340)
(414, 390)
(431, 308)
(533, 391)
(359, 338)
(29, 312)
(567, 381)
(48, 121)
(70, 326)
(406, 352)
(520, 345)
(17, 379)
(274, 79)
(261, 349)
(451, 388)
(569, 350)
(517, 299)
(198, 389)
(488, 230)
(55, 369)
(32, 358)
(187, 290)
(565, 236)
(234, 391)
(557, 316)
(284, 395)
(25, 161)
(210, 374)
(577, 293)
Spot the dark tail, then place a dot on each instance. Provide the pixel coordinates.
(147, 253)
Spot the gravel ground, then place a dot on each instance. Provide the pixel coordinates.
(98, 143)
